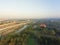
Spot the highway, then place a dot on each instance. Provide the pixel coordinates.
(24, 27)
(7, 24)
(10, 29)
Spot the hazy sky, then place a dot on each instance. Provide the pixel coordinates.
(29, 8)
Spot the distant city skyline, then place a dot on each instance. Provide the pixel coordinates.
(29, 9)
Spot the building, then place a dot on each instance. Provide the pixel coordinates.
(43, 25)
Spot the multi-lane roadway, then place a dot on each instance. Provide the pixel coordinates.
(11, 27)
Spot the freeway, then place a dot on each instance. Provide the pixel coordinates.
(8, 24)
(21, 29)
(10, 29)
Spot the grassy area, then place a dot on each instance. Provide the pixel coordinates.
(31, 41)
